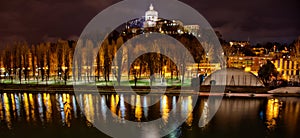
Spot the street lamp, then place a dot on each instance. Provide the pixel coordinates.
(64, 68)
(65, 74)
(135, 71)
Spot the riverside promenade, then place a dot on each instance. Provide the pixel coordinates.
(175, 90)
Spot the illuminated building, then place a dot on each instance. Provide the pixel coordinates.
(248, 63)
(287, 69)
(152, 23)
(239, 43)
(204, 68)
(192, 29)
(151, 16)
(259, 51)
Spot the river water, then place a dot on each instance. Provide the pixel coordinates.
(61, 115)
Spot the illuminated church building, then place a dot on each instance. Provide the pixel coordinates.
(151, 17)
(152, 22)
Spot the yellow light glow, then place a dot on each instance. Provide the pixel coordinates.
(67, 109)
(89, 109)
(248, 69)
(165, 109)
(31, 100)
(189, 120)
(64, 68)
(272, 113)
(284, 76)
(138, 108)
(136, 67)
(278, 69)
(1, 115)
(113, 106)
(7, 110)
(26, 105)
(13, 103)
(48, 105)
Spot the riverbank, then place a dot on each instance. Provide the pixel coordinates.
(229, 91)
(43, 87)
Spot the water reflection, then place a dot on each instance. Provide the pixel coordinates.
(187, 109)
(89, 108)
(48, 106)
(145, 106)
(113, 106)
(205, 114)
(164, 109)
(103, 107)
(290, 115)
(138, 108)
(7, 110)
(272, 112)
(32, 107)
(46, 109)
(40, 108)
(67, 109)
(13, 104)
(1, 110)
(17, 102)
(26, 106)
(74, 106)
(122, 108)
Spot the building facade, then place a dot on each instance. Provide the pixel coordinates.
(287, 69)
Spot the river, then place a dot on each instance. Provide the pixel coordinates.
(61, 115)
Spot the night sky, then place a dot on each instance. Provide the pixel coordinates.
(46, 20)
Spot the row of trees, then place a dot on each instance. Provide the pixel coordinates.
(21, 61)
(122, 57)
(115, 56)
(58, 61)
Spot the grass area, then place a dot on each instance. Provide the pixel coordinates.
(124, 82)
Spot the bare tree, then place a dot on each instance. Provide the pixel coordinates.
(296, 50)
(25, 56)
(107, 59)
(33, 60)
(120, 59)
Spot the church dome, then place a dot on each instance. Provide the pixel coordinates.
(232, 77)
(151, 14)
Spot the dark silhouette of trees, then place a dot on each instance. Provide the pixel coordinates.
(25, 57)
(266, 72)
(107, 59)
(98, 62)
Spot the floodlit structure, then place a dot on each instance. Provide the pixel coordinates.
(151, 16)
(232, 77)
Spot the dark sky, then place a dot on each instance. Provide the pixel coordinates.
(47, 20)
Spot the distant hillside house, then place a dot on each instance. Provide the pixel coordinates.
(239, 43)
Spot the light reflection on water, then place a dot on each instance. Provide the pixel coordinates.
(272, 112)
(45, 109)
(1, 110)
(26, 106)
(48, 106)
(164, 109)
(7, 112)
(138, 108)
